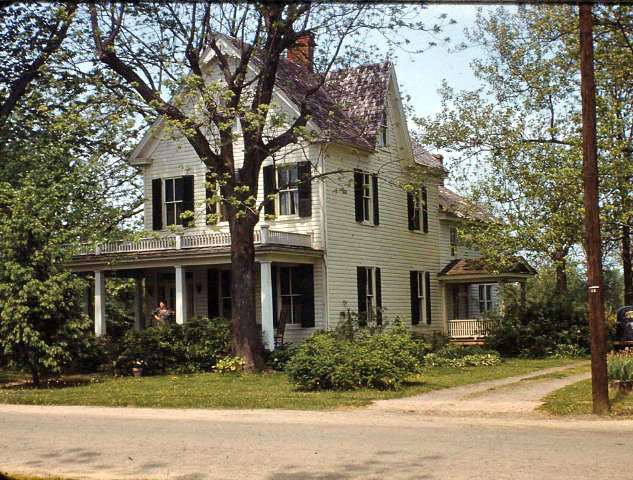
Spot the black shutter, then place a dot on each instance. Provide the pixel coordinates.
(304, 189)
(213, 293)
(410, 210)
(210, 190)
(425, 212)
(187, 203)
(374, 187)
(303, 278)
(415, 300)
(361, 286)
(269, 188)
(358, 194)
(427, 295)
(274, 288)
(157, 204)
(378, 298)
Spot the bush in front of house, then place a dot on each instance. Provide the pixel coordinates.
(541, 328)
(458, 356)
(193, 347)
(377, 358)
(278, 358)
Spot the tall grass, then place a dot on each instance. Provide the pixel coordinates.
(620, 366)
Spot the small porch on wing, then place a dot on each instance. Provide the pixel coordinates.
(471, 294)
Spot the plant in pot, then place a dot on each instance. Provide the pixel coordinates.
(137, 368)
(620, 371)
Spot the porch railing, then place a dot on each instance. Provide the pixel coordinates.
(469, 328)
(263, 236)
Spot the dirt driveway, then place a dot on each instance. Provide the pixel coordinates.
(517, 396)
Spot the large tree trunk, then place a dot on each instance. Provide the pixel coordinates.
(627, 263)
(247, 341)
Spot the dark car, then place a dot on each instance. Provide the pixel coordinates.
(624, 327)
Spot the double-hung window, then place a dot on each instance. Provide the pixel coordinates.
(293, 294)
(418, 211)
(366, 197)
(420, 297)
(369, 294)
(287, 177)
(290, 295)
(453, 240)
(382, 130)
(485, 298)
(174, 200)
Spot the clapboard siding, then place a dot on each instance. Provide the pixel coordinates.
(389, 245)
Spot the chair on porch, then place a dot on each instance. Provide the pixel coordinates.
(281, 328)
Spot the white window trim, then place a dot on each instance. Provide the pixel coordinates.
(486, 300)
(422, 295)
(290, 321)
(279, 192)
(166, 204)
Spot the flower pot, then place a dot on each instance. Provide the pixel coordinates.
(622, 385)
(137, 372)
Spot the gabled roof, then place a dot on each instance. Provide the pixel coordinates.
(475, 267)
(423, 157)
(455, 205)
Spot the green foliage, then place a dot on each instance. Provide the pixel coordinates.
(565, 350)
(620, 366)
(230, 364)
(462, 356)
(278, 358)
(380, 359)
(195, 346)
(539, 329)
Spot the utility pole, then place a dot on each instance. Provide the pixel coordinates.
(595, 300)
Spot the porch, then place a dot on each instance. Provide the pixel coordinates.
(471, 294)
(192, 274)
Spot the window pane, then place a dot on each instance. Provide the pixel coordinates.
(225, 283)
(481, 293)
(298, 311)
(179, 189)
(179, 210)
(421, 284)
(170, 213)
(169, 190)
(294, 201)
(285, 205)
(366, 208)
(284, 274)
(370, 282)
(294, 174)
(283, 177)
(227, 308)
(286, 306)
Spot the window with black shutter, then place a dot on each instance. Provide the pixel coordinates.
(215, 208)
(293, 186)
(366, 205)
(178, 198)
(417, 211)
(420, 297)
(369, 289)
(415, 299)
(157, 204)
(295, 287)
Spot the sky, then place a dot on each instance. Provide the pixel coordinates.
(421, 75)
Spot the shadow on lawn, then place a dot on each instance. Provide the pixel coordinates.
(65, 381)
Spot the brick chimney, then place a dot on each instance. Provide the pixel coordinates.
(302, 52)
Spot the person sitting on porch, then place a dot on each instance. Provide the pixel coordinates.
(162, 314)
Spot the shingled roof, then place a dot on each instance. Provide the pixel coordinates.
(475, 266)
(455, 205)
(423, 157)
(348, 105)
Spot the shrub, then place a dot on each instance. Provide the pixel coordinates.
(230, 364)
(539, 329)
(563, 350)
(377, 358)
(278, 358)
(195, 346)
(620, 366)
(478, 360)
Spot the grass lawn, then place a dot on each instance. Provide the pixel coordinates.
(575, 399)
(266, 390)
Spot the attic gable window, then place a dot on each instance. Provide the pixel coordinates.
(382, 130)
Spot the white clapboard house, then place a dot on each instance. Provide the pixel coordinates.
(353, 241)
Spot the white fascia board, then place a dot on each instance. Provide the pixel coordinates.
(147, 145)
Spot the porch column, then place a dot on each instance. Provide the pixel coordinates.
(100, 314)
(181, 295)
(139, 323)
(502, 307)
(266, 290)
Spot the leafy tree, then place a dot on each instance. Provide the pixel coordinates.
(158, 50)
(518, 135)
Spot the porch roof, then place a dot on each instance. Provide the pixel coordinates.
(188, 257)
(473, 271)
